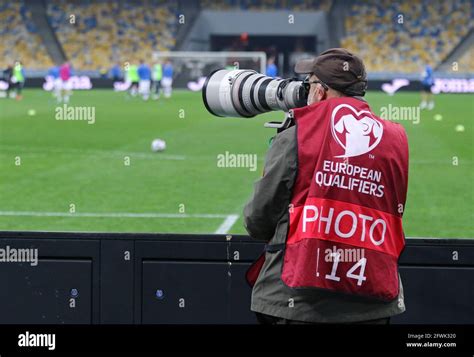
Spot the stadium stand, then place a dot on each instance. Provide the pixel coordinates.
(295, 5)
(426, 34)
(107, 32)
(19, 39)
(466, 61)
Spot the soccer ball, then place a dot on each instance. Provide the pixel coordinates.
(158, 145)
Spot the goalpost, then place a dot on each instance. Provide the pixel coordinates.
(254, 59)
(190, 68)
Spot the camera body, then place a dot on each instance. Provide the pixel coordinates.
(246, 93)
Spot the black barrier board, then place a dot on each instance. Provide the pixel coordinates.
(115, 278)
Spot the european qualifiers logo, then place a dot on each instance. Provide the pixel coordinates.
(350, 177)
(356, 132)
(75, 113)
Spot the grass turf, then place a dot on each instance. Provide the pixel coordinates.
(73, 162)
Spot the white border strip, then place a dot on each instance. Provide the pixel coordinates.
(87, 152)
(112, 215)
(227, 224)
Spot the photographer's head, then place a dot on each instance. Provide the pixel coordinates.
(334, 73)
(318, 90)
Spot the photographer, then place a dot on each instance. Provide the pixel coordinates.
(335, 182)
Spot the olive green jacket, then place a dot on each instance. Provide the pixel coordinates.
(266, 218)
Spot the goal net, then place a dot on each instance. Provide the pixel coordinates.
(190, 68)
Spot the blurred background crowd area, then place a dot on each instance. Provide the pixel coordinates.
(389, 33)
(391, 36)
(108, 30)
(19, 36)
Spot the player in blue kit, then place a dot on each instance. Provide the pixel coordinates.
(167, 80)
(427, 81)
(144, 74)
(272, 70)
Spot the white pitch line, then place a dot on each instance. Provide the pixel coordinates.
(227, 224)
(87, 152)
(112, 215)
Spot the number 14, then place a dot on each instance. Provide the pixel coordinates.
(350, 273)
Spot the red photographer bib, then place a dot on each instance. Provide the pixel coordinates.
(345, 231)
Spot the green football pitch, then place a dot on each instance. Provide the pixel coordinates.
(61, 175)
